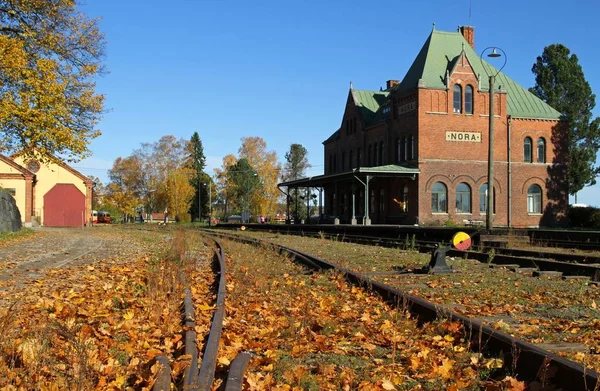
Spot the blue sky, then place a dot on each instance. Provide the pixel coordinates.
(281, 70)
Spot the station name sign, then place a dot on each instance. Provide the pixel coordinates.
(405, 108)
(471, 137)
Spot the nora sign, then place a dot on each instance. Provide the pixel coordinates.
(471, 137)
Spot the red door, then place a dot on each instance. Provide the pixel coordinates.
(64, 206)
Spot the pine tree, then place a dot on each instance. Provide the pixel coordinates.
(560, 83)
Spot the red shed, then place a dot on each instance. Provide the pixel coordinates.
(64, 206)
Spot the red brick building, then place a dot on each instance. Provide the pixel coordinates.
(419, 148)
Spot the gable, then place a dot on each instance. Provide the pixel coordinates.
(439, 54)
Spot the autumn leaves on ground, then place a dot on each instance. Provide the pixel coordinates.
(98, 322)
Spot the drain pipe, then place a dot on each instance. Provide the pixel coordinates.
(509, 175)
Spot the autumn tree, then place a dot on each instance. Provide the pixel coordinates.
(126, 187)
(224, 194)
(254, 149)
(296, 164)
(161, 160)
(50, 55)
(559, 81)
(98, 192)
(243, 185)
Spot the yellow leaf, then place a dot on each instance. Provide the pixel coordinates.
(594, 305)
(387, 385)
(224, 361)
(128, 315)
(267, 368)
(205, 307)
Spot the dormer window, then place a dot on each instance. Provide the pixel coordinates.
(457, 99)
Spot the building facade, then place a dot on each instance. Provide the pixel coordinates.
(419, 148)
(50, 194)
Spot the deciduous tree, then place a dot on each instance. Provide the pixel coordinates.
(296, 164)
(559, 81)
(50, 55)
(254, 149)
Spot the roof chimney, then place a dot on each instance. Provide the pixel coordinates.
(469, 33)
(391, 83)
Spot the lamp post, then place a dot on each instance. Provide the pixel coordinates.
(492, 78)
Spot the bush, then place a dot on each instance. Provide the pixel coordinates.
(584, 217)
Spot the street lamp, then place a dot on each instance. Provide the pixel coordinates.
(492, 78)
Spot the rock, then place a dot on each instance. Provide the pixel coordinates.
(10, 217)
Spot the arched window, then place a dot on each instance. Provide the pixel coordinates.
(412, 147)
(534, 199)
(469, 99)
(457, 98)
(397, 157)
(527, 150)
(463, 198)
(438, 198)
(541, 150)
(404, 206)
(483, 198)
(376, 154)
(381, 157)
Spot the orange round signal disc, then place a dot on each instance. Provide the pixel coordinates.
(461, 241)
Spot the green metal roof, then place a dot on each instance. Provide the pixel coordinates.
(369, 103)
(438, 55)
(387, 169)
(379, 171)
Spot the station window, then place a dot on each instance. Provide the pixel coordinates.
(534, 199)
(457, 99)
(469, 99)
(483, 193)
(527, 155)
(541, 150)
(438, 198)
(463, 198)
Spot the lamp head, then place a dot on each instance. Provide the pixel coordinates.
(494, 54)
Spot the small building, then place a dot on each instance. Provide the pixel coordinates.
(417, 151)
(51, 194)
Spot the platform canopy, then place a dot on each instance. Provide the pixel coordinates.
(390, 170)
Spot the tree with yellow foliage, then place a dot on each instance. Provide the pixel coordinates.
(50, 54)
(254, 149)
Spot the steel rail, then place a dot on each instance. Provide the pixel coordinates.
(530, 362)
(209, 359)
(568, 264)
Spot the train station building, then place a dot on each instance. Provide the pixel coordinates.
(51, 194)
(417, 151)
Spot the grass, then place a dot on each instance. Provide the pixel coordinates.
(7, 237)
(534, 309)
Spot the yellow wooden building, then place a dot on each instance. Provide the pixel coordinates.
(50, 194)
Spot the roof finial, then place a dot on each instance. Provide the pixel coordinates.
(463, 46)
(351, 86)
(433, 26)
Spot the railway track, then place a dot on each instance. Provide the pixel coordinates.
(529, 360)
(195, 377)
(542, 261)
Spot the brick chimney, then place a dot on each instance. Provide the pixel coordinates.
(469, 33)
(391, 83)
